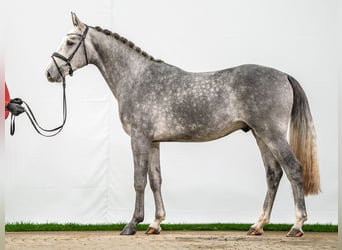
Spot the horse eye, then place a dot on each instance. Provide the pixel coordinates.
(70, 43)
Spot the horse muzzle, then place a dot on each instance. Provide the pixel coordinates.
(52, 78)
(52, 73)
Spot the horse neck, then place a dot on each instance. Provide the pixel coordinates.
(117, 62)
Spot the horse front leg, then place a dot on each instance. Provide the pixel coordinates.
(141, 148)
(155, 183)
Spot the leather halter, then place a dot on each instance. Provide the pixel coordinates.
(68, 60)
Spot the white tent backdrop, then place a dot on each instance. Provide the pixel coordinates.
(85, 174)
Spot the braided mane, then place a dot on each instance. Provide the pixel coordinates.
(128, 43)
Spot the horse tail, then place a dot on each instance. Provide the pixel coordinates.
(303, 139)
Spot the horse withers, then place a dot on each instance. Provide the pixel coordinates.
(159, 102)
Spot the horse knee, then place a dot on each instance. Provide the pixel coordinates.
(155, 184)
(139, 186)
(155, 187)
(155, 179)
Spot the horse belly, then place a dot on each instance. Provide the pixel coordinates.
(197, 136)
(178, 130)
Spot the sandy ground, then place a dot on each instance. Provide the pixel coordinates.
(167, 240)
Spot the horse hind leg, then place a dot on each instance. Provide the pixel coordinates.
(280, 148)
(273, 175)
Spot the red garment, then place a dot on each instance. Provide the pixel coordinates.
(7, 100)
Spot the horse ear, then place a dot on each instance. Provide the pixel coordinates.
(75, 21)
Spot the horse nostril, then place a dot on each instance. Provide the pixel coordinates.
(48, 75)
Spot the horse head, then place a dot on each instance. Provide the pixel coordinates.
(71, 54)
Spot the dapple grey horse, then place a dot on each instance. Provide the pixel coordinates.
(159, 102)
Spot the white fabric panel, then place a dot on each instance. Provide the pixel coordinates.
(85, 174)
(65, 178)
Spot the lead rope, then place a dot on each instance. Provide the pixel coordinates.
(40, 130)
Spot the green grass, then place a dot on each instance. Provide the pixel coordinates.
(24, 227)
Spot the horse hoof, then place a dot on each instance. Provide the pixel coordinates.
(128, 230)
(255, 232)
(152, 230)
(294, 232)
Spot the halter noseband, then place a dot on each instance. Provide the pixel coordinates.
(68, 60)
